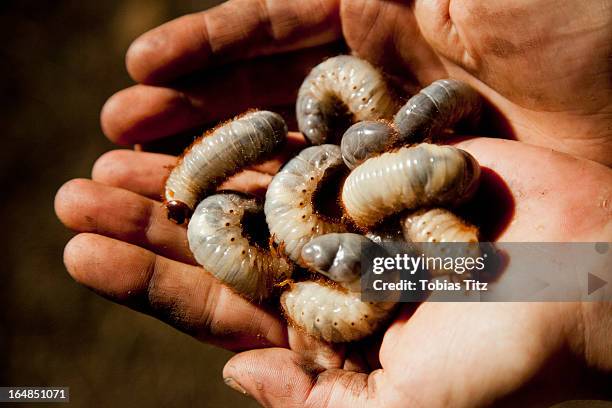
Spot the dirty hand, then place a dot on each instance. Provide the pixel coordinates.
(474, 354)
(464, 354)
(545, 68)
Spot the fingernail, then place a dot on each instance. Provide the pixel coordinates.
(233, 384)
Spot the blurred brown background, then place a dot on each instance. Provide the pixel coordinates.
(60, 61)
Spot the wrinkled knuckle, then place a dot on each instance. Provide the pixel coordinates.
(208, 317)
(163, 300)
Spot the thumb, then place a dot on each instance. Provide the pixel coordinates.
(278, 377)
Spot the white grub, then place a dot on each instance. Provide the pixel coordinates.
(222, 235)
(425, 117)
(342, 83)
(334, 313)
(291, 213)
(412, 177)
(219, 154)
(364, 140)
(437, 225)
(436, 108)
(440, 233)
(331, 314)
(337, 256)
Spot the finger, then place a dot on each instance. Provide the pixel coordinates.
(248, 181)
(141, 173)
(279, 377)
(388, 34)
(326, 355)
(183, 296)
(237, 29)
(86, 206)
(143, 113)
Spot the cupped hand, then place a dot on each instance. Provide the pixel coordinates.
(129, 252)
(475, 354)
(466, 354)
(545, 67)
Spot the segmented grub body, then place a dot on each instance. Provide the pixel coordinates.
(411, 177)
(290, 207)
(364, 140)
(437, 107)
(333, 314)
(227, 233)
(336, 256)
(221, 237)
(440, 233)
(223, 152)
(341, 85)
(327, 311)
(437, 225)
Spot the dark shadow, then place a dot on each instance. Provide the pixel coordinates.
(496, 264)
(174, 145)
(492, 207)
(326, 197)
(495, 124)
(489, 123)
